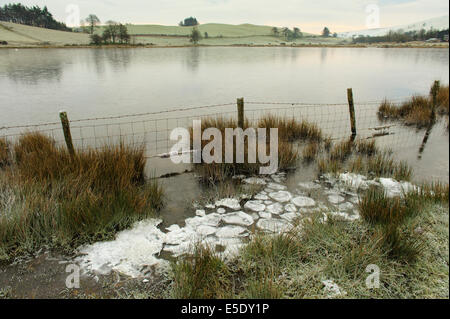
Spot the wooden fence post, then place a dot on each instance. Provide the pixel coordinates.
(434, 92)
(66, 129)
(240, 107)
(352, 112)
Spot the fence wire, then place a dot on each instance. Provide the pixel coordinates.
(152, 129)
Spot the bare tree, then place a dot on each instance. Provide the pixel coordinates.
(92, 20)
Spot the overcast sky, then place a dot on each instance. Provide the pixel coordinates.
(309, 16)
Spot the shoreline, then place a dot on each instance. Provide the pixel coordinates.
(121, 46)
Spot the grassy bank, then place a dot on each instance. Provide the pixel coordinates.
(48, 198)
(406, 238)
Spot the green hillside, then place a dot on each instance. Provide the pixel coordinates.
(157, 35)
(19, 35)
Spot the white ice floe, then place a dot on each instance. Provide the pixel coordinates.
(277, 178)
(261, 196)
(281, 196)
(354, 180)
(129, 253)
(200, 212)
(276, 186)
(238, 218)
(210, 206)
(230, 231)
(210, 220)
(290, 208)
(331, 289)
(178, 235)
(303, 201)
(221, 210)
(265, 215)
(394, 188)
(335, 199)
(231, 203)
(345, 206)
(290, 216)
(309, 185)
(255, 205)
(205, 230)
(276, 208)
(272, 225)
(254, 181)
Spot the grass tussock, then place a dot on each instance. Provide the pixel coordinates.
(363, 157)
(287, 154)
(4, 152)
(291, 130)
(310, 151)
(419, 110)
(50, 198)
(203, 275)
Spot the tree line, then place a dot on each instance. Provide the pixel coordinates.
(400, 36)
(32, 16)
(113, 33)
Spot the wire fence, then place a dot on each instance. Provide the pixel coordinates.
(152, 129)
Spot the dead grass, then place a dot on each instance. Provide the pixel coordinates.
(202, 275)
(4, 152)
(418, 110)
(363, 157)
(53, 199)
(287, 154)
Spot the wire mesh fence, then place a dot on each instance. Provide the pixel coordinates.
(152, 129)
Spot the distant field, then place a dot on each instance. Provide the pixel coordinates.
(213, 29)
(18, 34)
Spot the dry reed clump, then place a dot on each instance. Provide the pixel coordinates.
(64, 201)
(291, 130)
(310, 151)
(418, 110)
(219, 172)
(4, 152)
(364, 157)
(442, 100)
(202, 275)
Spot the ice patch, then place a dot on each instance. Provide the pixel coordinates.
(303, 201)
(238, 218)
(290, 216)
(254, 181)
(272, 225)
(335, 199)
(255, 205)
(394, 188)
(345, 206)
(281, 196)
(276, 208)
(231, 203)
(129, 253)
(309, 185)
(221, 210)
(290, 208)
(265, 215)
(231, 231)
(277, 187)
(200, 212)
(261, 196)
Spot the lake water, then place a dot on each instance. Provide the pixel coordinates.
(35, 84)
